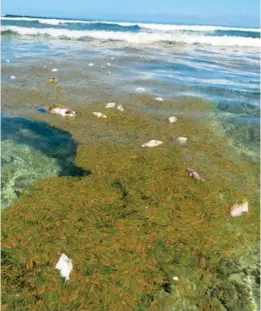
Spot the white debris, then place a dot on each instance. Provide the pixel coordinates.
(91, 64)
(110, 105)
(108, 64)
(182, 140)
(64, 265)
(175, 278)
(159, 99)
(120, 107)
(140, 89)
(152, 143)
(54, 69)
(112, 58)
(102, 67)
(239, 209)
(99, 115)
(64, 112)
(172, 119)
(13, 77)
(45, 66)
(109, 72)
(8, 61)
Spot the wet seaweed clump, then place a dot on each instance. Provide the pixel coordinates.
(142, 234)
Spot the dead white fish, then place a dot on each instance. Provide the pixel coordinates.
(109, 72)
(8, 61)
(90, 64)
(64, 265)
(175, 278)
(238, 209)
(12, 77)
(193, 173)
(140, 89)
(110, 105)
(64, 112)
(54, 69)
(99, 115)
(182, 140)
(120, 107)
(159, 99)
(172, 119)
(108, 64)
(152, 143)
(112, 58)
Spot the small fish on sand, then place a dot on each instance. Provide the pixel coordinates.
(193, 173)
(110, 105)
(182, 140)
(238, 209)
(159, 99)
(64, 265)
(54, 69)
(13, 77)
(140, 89)
(172, 119)
(152, 143)
(90, 64)
(99, 115)
(120, 107)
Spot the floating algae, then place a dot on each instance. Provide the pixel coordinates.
(136, 223)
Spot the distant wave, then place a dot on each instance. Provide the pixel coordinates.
(136, 38)
(150, 26)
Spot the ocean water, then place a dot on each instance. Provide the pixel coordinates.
(218, 63)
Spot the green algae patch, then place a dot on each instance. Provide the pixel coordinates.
(142, 234)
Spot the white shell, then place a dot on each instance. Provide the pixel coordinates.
(152, 143)
(12, 77)
(172, 119)
(99, 115)
(159, 99)
(239, 209)
(182, 140)
(54, 69)
(64, 265)
(110, 105)
(91, 64)
(62, 112)
(120, 107)
(140, 89)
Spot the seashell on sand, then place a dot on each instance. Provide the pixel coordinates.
(120, 107)
(172, 119)
(152, 143)
(64, 112)
(182, 140)
(193, 173)
(99, 115)
(238, 209)
(110, 105)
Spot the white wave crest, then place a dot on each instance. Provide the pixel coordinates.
(151, 26)
(138, 38)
